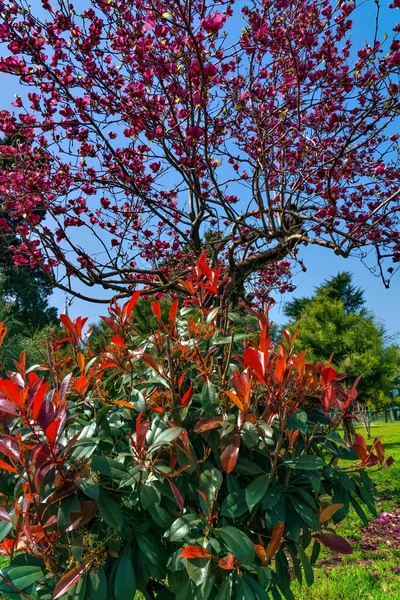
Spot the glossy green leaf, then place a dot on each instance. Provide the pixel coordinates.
(89, 488)
(234, 505)
(307, 567)
(20, 576)
(96, 587)
(166, 437)
(125, 580)
(182, 526)
(238, 543)
(148, 496)
(256, 490)
(160, 516)
(109, 467)
(155, 554)
(306, 462)
(109, 510)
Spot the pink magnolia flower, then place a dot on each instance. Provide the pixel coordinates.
(213, 23)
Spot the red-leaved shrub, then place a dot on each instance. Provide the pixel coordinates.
(198, 461)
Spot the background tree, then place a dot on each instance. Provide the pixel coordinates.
(148, 123)
(328, 325)
(24, 292)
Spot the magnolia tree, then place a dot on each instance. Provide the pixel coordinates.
(149, 124)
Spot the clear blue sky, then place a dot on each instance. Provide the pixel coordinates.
(321, 264)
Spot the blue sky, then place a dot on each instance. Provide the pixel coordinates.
(321, 264)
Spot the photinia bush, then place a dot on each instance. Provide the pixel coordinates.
(198, 461)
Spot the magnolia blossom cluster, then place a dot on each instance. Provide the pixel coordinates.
(151, 130)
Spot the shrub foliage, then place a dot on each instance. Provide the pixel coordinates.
(198, 461)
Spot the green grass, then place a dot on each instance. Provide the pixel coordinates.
(365, 574)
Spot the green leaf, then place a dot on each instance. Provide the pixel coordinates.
(238, 543)
(225, 591)
(305, 513)
(5, 528)
(166, 437)
(272, 498)
(213, 313)
(160, 516)
(209, 398)
(89, 488)
(212, 480)
(256, 490)
(255, 587)
(241, 590)
(307, 568)
(341, 496)
(109, 510)
(96, 588)
(182, 526)
(198, 570)
(21, 577)
(234, 505)
(359, 510)
(245, 466)
(308, 463)
(249, 435)
(109, 467)
(315, 552)
(155, 554)
(368, 499)
(125, 581)
(148, 496)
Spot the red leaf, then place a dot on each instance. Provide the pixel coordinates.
(260, 551)
(327, 375)
(253, 360)
(230, 454)
(38, 400)
(86, 514)
(150, 360)
(111, 324)
(334, 542)
(329, 511)
(142, 428)
(8, 407)
(4, 516)
(195, 552)
(172, 317)
(156, 308)
(280, 369)
(207, 423)
(116, 339)
(227, 563)
(7, 467)
(130, 305)
(186, 396)
(359, 440)
(275, 542)
(68, 580)
(329, 398)
(389, 461)
(11, 391)
(177, 495)
(9, 447)
(236, 400)
(81, 384)
(51, 431)
(64, 386)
